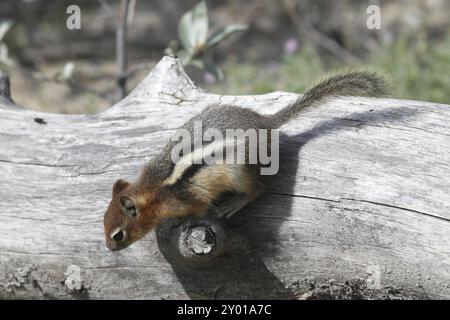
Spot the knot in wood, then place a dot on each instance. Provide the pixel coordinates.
(199, 240)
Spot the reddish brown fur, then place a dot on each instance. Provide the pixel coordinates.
(152, 210)
(145, 221)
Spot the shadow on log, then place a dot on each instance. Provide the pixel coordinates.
(359, 208)
(211, 261)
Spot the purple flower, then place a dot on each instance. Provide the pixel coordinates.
(209, 77)
(290, 46)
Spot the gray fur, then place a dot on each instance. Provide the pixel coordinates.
(232, 117)
(355, 83)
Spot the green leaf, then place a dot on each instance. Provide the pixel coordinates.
(215, 70)
(224, 32)
(193, 28)
(4, 28)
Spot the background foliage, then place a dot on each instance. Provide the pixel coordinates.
(229, 47)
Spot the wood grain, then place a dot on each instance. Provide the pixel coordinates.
(363, 191)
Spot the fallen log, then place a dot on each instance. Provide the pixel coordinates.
(359, 209)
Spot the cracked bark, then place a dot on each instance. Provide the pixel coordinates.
(363, 186)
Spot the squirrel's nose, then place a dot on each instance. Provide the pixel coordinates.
(111, 245)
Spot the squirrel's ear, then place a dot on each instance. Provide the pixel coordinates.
(119, 186)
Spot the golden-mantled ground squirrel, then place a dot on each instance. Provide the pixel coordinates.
(167, 189)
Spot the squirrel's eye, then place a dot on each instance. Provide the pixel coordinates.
(118, 235)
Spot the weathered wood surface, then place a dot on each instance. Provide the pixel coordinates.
(363, 188)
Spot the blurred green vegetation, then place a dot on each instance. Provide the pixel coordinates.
(50, 66)
(417, 70)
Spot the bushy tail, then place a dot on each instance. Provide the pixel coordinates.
(359, 83)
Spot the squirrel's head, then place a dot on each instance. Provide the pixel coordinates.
(135, 211)
(131, 214)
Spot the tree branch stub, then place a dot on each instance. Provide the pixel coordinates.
(193, 240)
